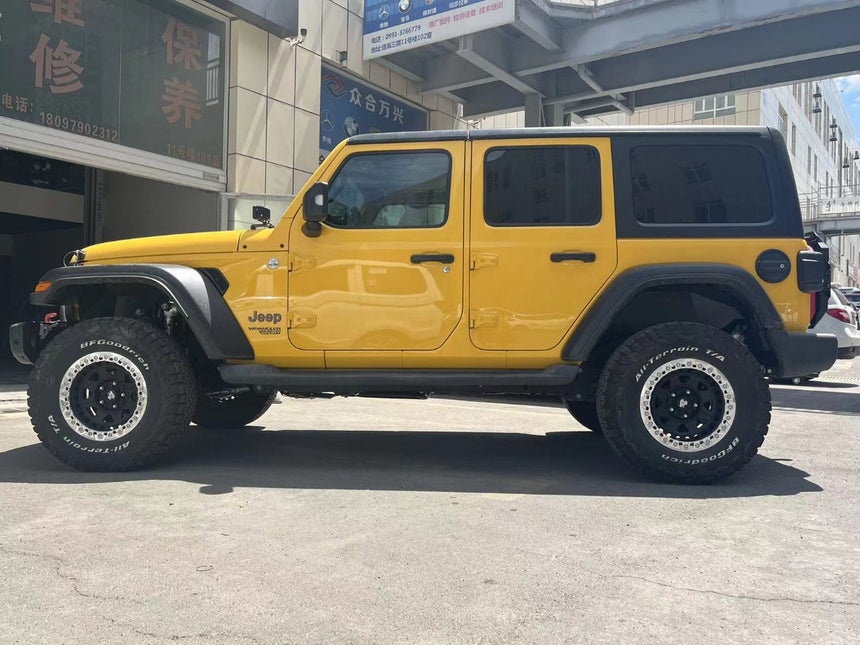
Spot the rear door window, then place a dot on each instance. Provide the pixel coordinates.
(700, 184)
(542, 186)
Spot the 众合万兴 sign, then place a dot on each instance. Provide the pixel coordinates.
(147, 74)
(349, 107)
(391, 26)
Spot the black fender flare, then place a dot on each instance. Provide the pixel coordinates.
(628, 284)
(195, 294)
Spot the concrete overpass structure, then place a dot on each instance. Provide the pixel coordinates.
(832, 216)
(836, 226)
(587, 57)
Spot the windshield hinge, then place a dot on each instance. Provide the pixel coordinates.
(297, 262)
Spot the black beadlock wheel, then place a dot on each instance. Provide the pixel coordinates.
(684, 402)
(231, 411)
(585, 413)
(111, 394)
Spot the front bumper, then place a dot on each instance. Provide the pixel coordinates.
(802, 354)
(24, 342)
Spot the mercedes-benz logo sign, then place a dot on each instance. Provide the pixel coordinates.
(383, 12)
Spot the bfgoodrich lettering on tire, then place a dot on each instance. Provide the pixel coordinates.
(111, 394)
(684, 402)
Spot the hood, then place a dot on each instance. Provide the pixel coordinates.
(164, 245)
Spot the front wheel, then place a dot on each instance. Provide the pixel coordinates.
(111, 394)
(684, 402)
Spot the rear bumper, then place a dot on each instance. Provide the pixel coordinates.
(23, 341)
(802, 354)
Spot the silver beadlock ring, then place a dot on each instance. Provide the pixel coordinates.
(65, 400)
(668, 440)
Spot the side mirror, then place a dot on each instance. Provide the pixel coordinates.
(315, 209)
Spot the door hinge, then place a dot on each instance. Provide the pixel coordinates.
(484, 318)
(300, 319)
(297, 262)
(481, 260)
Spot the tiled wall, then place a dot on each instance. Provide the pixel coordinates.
(275, 95)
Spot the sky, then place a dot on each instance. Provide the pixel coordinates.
(850, 86)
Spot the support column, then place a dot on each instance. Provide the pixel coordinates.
(534, 111)
(553, 115)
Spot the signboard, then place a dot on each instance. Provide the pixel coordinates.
(396, 25)
(849, 205)
(148, 74)
(349, 107)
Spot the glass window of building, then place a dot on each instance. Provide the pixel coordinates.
(783, 123)
(714, 106)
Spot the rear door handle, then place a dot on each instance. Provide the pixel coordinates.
(579, 257)
(444, 258)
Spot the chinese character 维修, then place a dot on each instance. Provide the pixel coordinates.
(398, 114)
(180, 98)
(355, 96)
(181, 41)
(60, 66)
(64, 10)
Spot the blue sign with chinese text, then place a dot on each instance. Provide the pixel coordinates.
(396, 25)
(349, 107)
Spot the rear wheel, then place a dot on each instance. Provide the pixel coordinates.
(684, 402)
(111, 394)
(231, 411)
(585, 413)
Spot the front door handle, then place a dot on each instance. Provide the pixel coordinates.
(579, 257)
(444, 258)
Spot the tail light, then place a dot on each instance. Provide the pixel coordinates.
(840, 314)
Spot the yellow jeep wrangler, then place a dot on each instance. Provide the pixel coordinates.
(652, 278)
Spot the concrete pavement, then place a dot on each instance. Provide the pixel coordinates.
(438, 521)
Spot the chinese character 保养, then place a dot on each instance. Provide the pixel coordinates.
(58, 65)
(181, 41)
(180, 98)
(64, 10)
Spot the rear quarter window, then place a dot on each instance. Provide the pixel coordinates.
(709, 185)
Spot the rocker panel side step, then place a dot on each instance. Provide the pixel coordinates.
(552, 378)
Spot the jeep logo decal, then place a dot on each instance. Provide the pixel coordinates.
(259, 317)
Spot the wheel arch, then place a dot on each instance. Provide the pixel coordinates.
(650, 295)
(196, 295)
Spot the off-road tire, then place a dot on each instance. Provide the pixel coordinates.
(152, 369)
(659, 356)
(585, 413)
(234, 413)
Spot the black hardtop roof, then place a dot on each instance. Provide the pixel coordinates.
(571, 132)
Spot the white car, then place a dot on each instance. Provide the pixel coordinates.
(841, 321)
